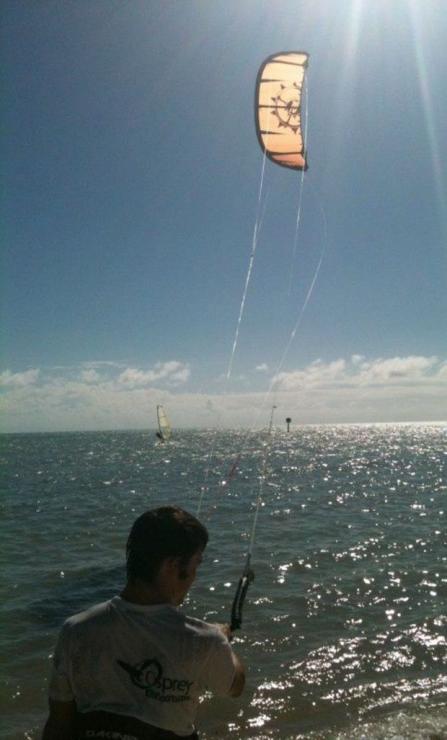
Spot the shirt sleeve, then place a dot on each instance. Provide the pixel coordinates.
(60, 684)
(220, 667)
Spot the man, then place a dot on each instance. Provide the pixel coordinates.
(133, 668)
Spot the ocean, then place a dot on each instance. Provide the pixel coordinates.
(345, 625)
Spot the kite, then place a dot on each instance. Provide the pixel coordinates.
(278, 108)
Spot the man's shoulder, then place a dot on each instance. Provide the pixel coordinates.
(204, 630)
(96, 613)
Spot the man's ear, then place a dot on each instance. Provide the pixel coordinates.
(167, 568)
(183, 571)
(173, 566)
(179, 567)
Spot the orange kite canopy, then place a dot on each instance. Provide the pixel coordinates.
(278, 108)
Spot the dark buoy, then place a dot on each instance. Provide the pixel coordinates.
(288, 422)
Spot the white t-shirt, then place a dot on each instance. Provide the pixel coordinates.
(147, 662)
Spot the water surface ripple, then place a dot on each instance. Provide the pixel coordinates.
(344, 631)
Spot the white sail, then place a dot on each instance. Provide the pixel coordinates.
(164, 427)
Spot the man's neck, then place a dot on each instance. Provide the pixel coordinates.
(139, 593)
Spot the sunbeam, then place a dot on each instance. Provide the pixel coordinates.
(428, 110)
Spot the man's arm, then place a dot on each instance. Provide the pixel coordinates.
(61, 722)
(238, 684)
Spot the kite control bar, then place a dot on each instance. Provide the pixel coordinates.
(239, 598)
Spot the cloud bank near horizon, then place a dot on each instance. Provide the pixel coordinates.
(110, 395)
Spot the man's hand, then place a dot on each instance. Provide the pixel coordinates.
(226, 631)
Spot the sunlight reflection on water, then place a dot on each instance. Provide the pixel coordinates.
(345, 620)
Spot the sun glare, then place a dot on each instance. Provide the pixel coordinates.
(417, 26)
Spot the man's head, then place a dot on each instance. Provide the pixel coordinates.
(167, 537)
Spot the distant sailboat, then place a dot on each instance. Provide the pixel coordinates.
(164, 427)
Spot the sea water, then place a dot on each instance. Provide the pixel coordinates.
(345, 626)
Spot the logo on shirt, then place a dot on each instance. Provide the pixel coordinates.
(149, 676)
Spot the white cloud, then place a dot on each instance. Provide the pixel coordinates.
(19, 380)
(172, 372)
(262, 368)
(101, 363)
(317, 373)
(132, 377)
(356, 390)
(396, 368)
(90, 376)
(359, 372)
(357, 359)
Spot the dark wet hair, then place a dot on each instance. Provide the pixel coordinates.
(166, 532)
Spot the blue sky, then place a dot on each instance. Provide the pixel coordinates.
(131, 173)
